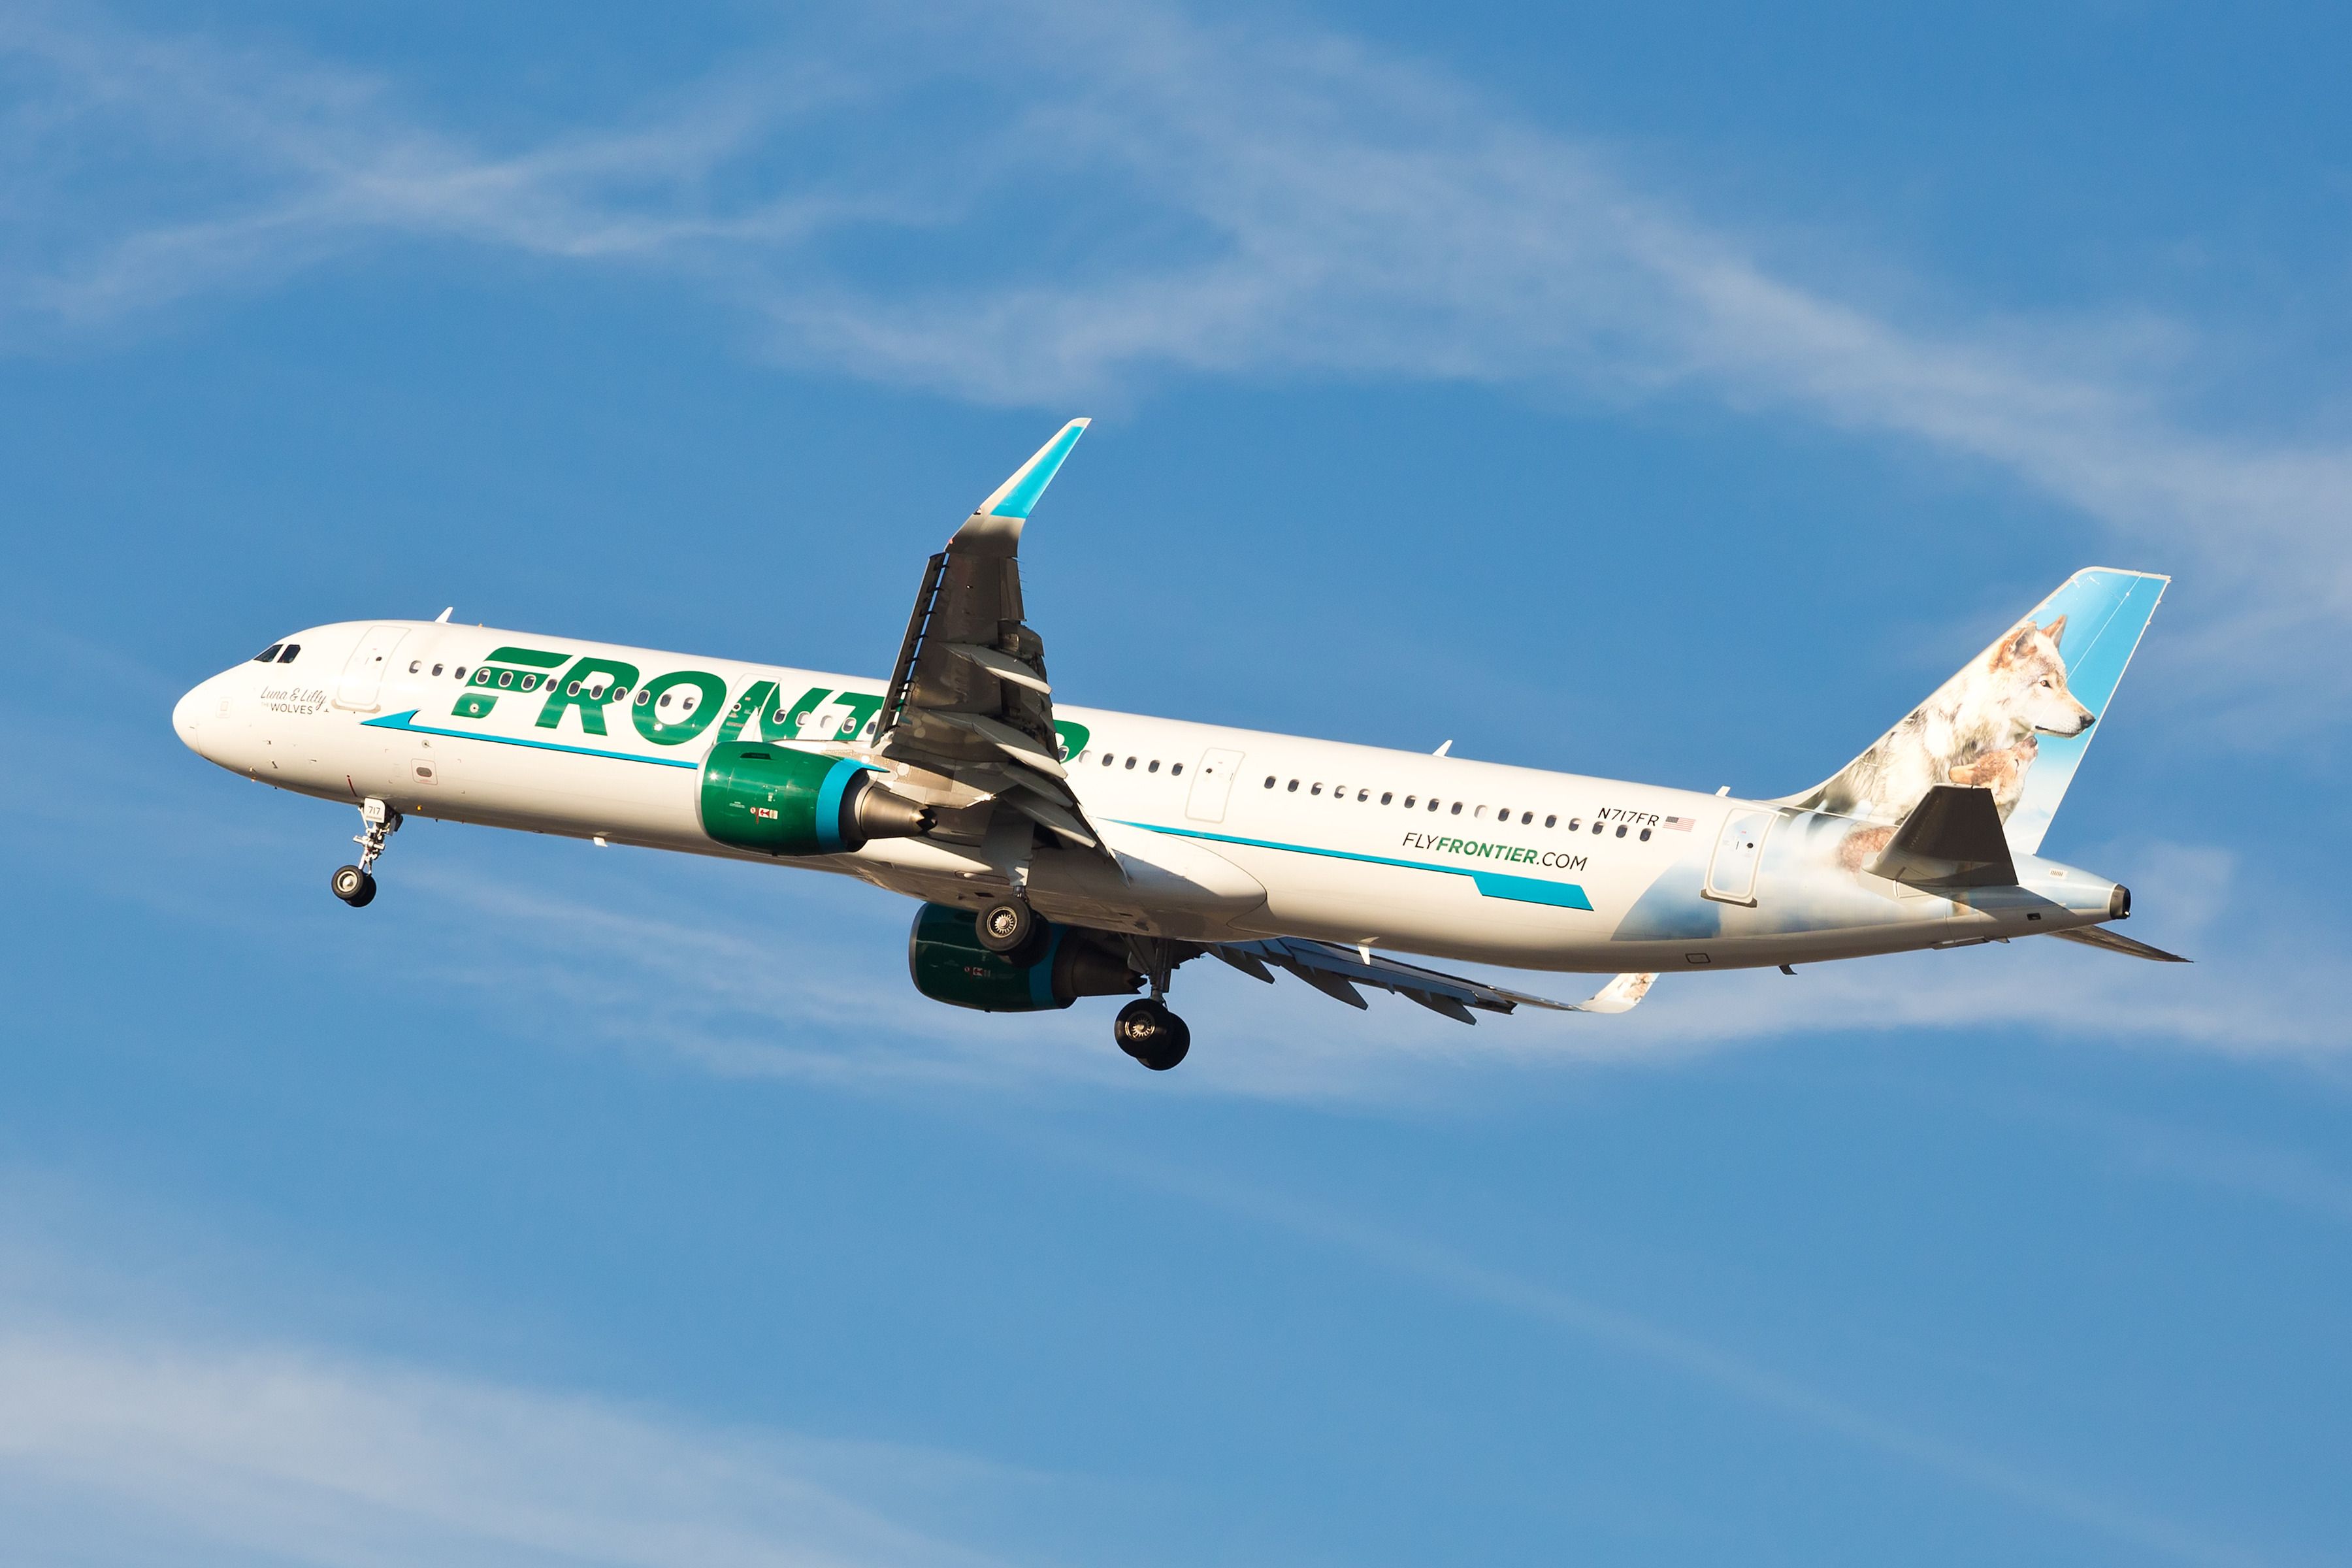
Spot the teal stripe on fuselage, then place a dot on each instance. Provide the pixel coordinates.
(401, 721)
(1490, 884)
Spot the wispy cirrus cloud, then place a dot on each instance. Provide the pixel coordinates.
(1073, 203)
(125, 1449)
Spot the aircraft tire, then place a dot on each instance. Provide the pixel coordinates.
(353, 886)
(1008, 926)
(1152, 1034)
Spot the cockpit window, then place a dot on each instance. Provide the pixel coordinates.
(266, 655)
(291, 649)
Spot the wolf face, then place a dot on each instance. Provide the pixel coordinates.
(2028, 682)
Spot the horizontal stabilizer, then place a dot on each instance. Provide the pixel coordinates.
(2116, 942)
(1953, 838)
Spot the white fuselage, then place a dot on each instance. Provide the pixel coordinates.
(1221, 834)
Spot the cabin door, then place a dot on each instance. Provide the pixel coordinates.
(363, 672)
(1739, 849)
(1212, 783)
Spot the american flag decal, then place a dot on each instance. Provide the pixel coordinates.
(1680, 824)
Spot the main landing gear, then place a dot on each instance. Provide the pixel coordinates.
(378, 821)
(1011, 927)
(1152, 1034)
(1145, 1029)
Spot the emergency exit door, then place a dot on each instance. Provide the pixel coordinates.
(1213, 781)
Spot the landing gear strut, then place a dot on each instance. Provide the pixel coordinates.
(378, 821)
(1145, 1029)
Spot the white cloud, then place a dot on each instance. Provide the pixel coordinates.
(1071, 201)
(116, 1448)
(717, 973)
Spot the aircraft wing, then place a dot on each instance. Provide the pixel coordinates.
(1337, 971)
(968, 697)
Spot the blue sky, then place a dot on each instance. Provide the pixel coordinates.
(1677, 394)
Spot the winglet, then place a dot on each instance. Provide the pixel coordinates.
(1016, 495)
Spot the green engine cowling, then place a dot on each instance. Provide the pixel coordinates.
(944, 955)
(781, 801)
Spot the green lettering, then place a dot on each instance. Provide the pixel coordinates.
(578, 687)
(861, 707)
(675, 725)
(802, 711)
(761, 699)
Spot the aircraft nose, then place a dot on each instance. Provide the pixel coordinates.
(189, 713)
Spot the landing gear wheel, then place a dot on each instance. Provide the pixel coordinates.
(1008, 926)
(353, 886)
(1153, 1035)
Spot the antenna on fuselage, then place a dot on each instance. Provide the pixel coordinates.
(443, 616)
(1442, 750)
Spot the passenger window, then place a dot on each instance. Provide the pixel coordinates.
(414, 664)
(506, 678)
(1457, 808)
(291, 649)
(1109, 759)
(1130, 764)
(1315, 789)
(266, 655)
(1408, 803)
(461, 672)
(1480, 814)
(1598, 827)
(1175, 768)
(1154, 767)
(1362, 795)
(1433, 804)
(1526, 818)
(530, 683)
(1646, 835)
(644, 697)
(1269, 781)
(1552, 822)
(1386, 797)
(437, 670)
(1294, 787)
(1621, 830)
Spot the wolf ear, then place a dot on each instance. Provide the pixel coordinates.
(2055, 631)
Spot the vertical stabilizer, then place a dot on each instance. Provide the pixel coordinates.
(2016, 720)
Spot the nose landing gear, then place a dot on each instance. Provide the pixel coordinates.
(378, 821)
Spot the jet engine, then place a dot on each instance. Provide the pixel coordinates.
(781, 801)
(944, 955)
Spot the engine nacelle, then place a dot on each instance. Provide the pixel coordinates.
(781, 801)
(944, 955)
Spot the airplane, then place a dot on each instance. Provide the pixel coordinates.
(1059, 852)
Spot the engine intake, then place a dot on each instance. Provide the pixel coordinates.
(780, 801)
(948, 964)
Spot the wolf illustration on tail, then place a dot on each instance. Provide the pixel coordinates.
(2015, 720)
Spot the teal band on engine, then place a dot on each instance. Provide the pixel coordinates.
(829, 840)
